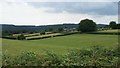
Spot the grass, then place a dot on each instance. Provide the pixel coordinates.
(0, 52)
(59, 45)
(39, 36)
(112, 30)
(107, 32)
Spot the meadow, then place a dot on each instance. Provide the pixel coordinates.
(59, 45)
(79, 49)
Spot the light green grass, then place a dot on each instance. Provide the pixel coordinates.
(39, 36)
(112, 30)
(60, 45)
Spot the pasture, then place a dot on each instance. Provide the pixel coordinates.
(59, 45)
(112, 30)
(41, 36)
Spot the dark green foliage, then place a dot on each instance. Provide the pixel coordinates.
(6, 33)
(117, 26)
(42, 33)
(30, 32)
(50, 29)
(112, 24)
(60, 29)
(7, 60)
(9, 37)
(21, 37)
(51, 59)
(105, 33)
(26, 58)
(97, 56)
(87, 25)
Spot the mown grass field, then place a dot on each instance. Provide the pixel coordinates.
(112, 30)
(59, 45)
(39, 36)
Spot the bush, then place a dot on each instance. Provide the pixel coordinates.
(96, 56)
(7, 60)
(51, 59)
(26, 59)
(42, 33)
(21, 37)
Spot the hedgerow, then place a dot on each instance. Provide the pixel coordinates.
(96, 56)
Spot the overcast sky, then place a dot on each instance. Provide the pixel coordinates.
(45, 12)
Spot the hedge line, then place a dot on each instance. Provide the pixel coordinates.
(64, 34)
(31, 35)
(97, 57)
(39, 38)
(13, 38)
(106, 33)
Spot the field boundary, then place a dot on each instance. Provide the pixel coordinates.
(50, 36)
(42, 36)
(106, 33)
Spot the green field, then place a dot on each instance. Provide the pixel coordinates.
(110, 30)
(39, 36)
(60, 45)
(0, 52)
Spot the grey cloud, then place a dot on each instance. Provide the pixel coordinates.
(99, 8)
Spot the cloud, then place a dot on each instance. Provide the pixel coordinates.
(27, 13)
(100, 8)
(71, 0)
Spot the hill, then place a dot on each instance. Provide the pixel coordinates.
(32, 28)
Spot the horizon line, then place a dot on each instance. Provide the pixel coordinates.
(44, 25)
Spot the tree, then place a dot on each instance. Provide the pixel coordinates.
(117, 26)
(87, 25)
(112, 24)
(50, 29)
(60, 29)
(21, 37)
(6, 33)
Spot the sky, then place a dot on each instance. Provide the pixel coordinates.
(47, 12)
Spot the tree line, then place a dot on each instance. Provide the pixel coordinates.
(85, 25)
(88, 25)
(113, 25)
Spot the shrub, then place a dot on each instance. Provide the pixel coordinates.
(7, 60)
(26, 59)
(21, 37)
(96, 56)
(42, 33)
(51, 59)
